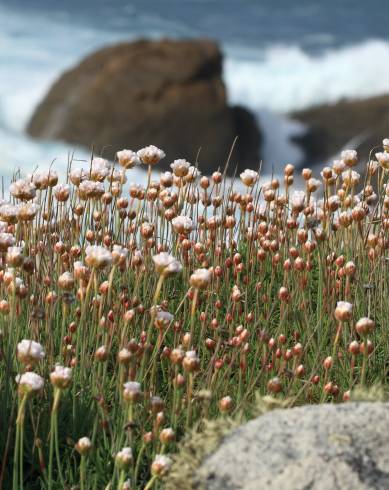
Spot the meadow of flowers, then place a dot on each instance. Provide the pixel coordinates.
(132, 315)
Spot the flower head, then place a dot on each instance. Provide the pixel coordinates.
(61, 192)
(383, 159)
(99, 169)
(151, 155)
(123, 458)
(180, 167)
(30, 352)
(89, 189)
(166, 265)
(128, 158)
(29, 383)
(83, 446)
(163, 319)
(343, 311)
(9, 213)
(161, 465)
(249, 177)
(61, 377)
(132, 391)
(182, 225)
(200, 278)
(23, 190)
(350, 157)
(350, 177)
(98, 257)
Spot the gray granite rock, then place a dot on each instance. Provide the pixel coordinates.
(327, 447)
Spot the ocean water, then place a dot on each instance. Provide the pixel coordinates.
(280, 56)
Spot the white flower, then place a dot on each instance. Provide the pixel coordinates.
(61, 192)
(119, 254)
(77, 175)
(6, 240)
(350, 157)
(132, 391)
(9, 213)
(29, 351)
(14, 256)
(385, 144)
(89, 189)
(163, 319)
(97, 257)
(42, 180)
(383, 159)
(338, 166)
(66, 281)
(249, 177)
(193, 174)
(83, 446)
(29, 382)
(151, 155)
(23, 189)
(128, 158)
(343, 311)
(161, 465)
(200, 278)
(99, 169)
(180, 167)
(350, 177)
(27, 211)
(117, 176)
(166, 179)
(166, 264)
(313, 184)
(124, 458)
(61, 377)
(297, 200)
(182, 224)
(372, 167)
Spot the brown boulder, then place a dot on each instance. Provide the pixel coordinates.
(358, 124)
(166, 93)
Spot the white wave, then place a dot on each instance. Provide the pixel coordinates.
(286, 78)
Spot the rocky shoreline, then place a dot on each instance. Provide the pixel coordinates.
(171, 93)
(357, 124)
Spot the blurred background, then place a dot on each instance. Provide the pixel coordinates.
(314, 75)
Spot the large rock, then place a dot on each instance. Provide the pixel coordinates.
(326, 447)
(166, 93)
(358, 124)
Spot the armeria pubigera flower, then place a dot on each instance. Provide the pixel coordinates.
(151, 155)
(30, 352)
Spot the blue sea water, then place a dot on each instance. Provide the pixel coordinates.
(279, 56)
